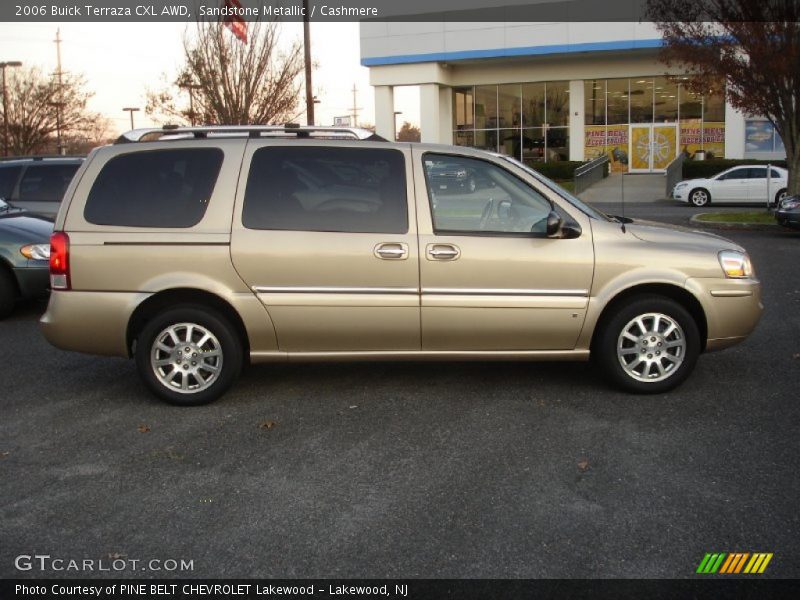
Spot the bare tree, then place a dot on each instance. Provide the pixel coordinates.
(408, 133)
(753, 46)
(34, 100)
(231, 82)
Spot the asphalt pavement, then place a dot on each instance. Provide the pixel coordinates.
(441, 470)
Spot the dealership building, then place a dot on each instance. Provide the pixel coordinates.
(555, 91)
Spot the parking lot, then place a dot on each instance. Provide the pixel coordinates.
(414, 470)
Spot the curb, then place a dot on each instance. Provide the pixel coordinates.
(694, 219)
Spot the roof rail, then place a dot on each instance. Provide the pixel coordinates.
(172, 132)
(42, 157)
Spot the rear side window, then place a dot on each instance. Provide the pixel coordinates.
(45, 183)
(757, 173)
(8, 177)
(355, 190)
(158, 188)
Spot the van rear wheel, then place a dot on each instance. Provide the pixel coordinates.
(649, 346)
(188, 355)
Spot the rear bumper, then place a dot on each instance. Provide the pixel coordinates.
(92, 322)
(732, 307)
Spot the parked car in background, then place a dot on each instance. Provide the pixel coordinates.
(24, 256)
(199, 251)
(743, 184)
(788, 213)
(37, 184)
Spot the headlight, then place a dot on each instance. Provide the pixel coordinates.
(790, 203)
(735, 264)
(680, 186)
(36, 251)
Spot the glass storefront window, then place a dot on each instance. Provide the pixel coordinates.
(617, 95)
(557, 103)
(463, 108)
(485, 106)
(509, 98)
(594, 102)
(532, 104)
(714, 107)
(510, 140)
(464, 138)
(532, 144)
(691, 104)
(641, 98)
(557, 143)
(486, 139)
(666, 100)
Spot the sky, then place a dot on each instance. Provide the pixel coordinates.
(122, 60)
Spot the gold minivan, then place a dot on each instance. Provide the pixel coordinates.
(195, 250)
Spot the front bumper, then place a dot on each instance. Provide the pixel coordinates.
(682, 194)
(788, 218)
(34, 282)
(732, 307)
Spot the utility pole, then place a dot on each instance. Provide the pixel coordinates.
(355, 107)
(3, 67)
(59, 104)
(307, 52)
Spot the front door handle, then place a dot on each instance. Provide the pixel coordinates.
(391, 251)
(443, 252)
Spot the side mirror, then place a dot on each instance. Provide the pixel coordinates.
(554, 223)
(504, 210)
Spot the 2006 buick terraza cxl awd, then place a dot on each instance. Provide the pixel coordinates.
(194, 250)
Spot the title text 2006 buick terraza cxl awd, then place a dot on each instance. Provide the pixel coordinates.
(194, 250)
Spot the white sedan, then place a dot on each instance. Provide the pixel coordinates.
(740, 184)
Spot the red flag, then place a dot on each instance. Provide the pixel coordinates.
(235, 22)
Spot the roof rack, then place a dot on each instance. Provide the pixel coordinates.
(42, 157)
(173, 132)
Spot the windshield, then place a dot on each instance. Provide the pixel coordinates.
(584, 208)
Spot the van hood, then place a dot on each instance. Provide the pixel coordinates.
(652, 231)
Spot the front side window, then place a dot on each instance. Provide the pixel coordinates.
(349, 190)
(469, 195)
(156, 188)
(735, 174)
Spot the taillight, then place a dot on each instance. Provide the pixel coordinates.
(59, 261)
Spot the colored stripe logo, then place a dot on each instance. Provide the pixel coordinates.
(734, 563)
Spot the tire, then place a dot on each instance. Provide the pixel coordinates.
(8, 292)
(700, 197)
(618, 355)
(178, 379)
(778, 197)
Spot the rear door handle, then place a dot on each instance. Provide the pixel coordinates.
(391, 251)
(443, 252)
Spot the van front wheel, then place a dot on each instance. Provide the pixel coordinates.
(650, 345)
(188, 355)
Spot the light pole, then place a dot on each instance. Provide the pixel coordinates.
(397, 112)
(131, 110)
(186, 84)
(307, 56)
(3, 65)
